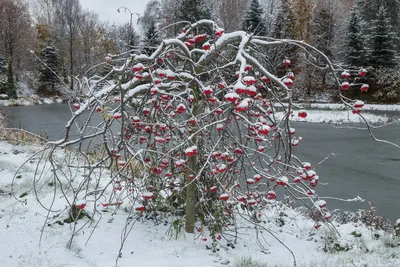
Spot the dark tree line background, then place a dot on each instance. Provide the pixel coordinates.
(353, 33)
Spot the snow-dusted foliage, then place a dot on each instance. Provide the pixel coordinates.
(193, 133)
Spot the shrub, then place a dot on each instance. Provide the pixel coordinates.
(387, 85)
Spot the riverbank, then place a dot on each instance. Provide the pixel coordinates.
(29, 101)
(152, 244)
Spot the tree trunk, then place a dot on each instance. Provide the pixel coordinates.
(190, 212)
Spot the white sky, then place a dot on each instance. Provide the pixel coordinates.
(107, 9)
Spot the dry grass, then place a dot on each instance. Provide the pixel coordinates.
(15, 135)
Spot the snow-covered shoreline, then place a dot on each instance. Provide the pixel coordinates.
(340, 106)
(151, 244)
(29, 101)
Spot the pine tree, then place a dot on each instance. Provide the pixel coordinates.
(11, 90)
(254, 20)
(355, 42)
(193, 10)
(3, 65)
(151, 39)
(383, 38)
(48, 71)
(285, 21)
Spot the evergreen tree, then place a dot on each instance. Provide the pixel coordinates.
(48, 71)
(355, 42)
(151, 39)
(285, 21)
(383, 38)
(254, 20)
(193, 10)
(3, 66)
(11, 90)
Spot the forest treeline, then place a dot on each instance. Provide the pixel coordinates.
(68, 40)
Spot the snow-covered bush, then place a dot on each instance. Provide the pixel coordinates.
(397, 228)
(191, 131)
(387, 85)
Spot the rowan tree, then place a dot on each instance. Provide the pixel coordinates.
(191, 132)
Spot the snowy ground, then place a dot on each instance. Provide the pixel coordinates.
(148, 244)
(338, 117)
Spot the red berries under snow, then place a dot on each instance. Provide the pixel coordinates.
(208, 90)
(117, 116)
(362, 72)
(364, 88)
(140, 208)
(345, 75)
(206, 46)
(358, 105)
(180, 108)
(138, 67)
(307, 166)
(283, 180)
(224, 197)
(239, 88)
(257, 178)
(80, 204)
(288, 82)
(220, 168)
(249, 80)
(243, 105)
(264, 130)
(219, 32)
(320, 204)
(345, 86)
(231, 97)
(191, 151)
(271, 195)
(148, 195)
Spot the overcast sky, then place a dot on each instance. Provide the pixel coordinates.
(107, 9)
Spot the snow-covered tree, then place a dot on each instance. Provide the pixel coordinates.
(191, 132)
(356, 43)
(254, 20)
(151, 38)
(48, 70)
(322, 30)
(285, 21)
(193, 10)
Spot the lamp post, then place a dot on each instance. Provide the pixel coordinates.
(126, 9)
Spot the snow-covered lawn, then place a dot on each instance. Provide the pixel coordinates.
(150, 244)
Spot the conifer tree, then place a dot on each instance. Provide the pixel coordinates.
(382, 41)
(355, 42)
(193, 10)
(254, 20)
(151, 37)
(48, 71)
(11, 90)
